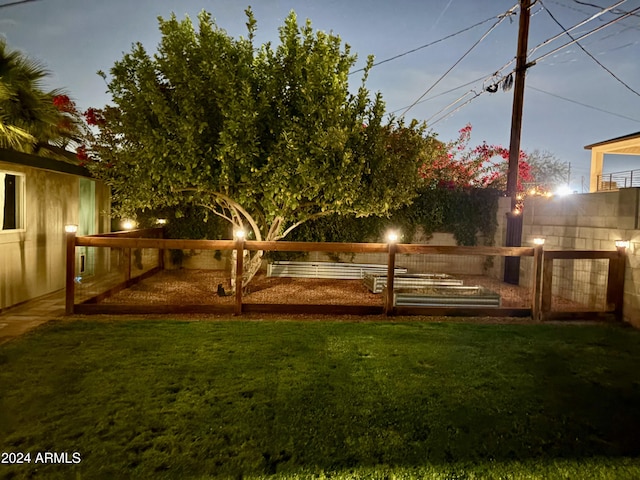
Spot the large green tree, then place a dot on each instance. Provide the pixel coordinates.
(265, 137)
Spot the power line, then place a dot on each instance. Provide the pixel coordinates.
(458, 100)
(578, 25)
(569, 7)
(498, 72)
(587, 52)
(628, 14)
(423, 46)
(444, 93)
(500, 20)
(619, 12)
(444, 117)
(16, 3)
(583, 104)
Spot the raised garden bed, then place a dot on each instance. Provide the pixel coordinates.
(446, 296)
(376, 282)
(337, 271)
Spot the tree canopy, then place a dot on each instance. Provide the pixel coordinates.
(549, 171)
(265, 137)
(33, 120)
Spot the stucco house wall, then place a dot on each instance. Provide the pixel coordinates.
(32, 256)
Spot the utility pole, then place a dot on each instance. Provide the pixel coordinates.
(514, 217)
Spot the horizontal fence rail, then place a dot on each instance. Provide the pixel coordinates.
(134, 256)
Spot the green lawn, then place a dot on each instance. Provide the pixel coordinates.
(265, 399)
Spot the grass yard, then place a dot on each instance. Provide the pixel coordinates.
(286, 400)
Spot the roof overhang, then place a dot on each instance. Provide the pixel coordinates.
(625, 145)
(19, 158)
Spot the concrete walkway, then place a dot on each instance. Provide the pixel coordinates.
(20, 319)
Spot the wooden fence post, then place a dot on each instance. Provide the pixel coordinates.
(127, 264)
(536, 292)
(70, 271)
(161, 251)
(547, 279)
(391, 268)
(615, 282)
(239, 259)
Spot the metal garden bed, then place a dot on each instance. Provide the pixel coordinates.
(446, 296)
(340, 271)
(376, 282)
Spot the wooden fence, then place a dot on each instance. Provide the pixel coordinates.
(614, 289)
(541, 277)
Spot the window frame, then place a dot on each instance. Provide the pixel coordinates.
(21, 200)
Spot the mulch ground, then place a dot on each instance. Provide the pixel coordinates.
(200, 287)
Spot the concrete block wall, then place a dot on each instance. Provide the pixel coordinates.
(592, 221)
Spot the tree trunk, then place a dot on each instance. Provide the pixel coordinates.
(251, 268)
(251, 265)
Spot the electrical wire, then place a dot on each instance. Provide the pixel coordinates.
(457, 109)
(605, 25)
(588, 53)
(506, 65)
(443, 93)
(458, 100)
(500, 20)
(19, 2)
(583, 104)
(413, 50)
(634, 27)
(593, 17)
(531, 51)
(555, 37)
(619, 12)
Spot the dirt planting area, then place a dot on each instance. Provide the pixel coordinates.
(200, 287)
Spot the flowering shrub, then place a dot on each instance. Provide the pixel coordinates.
(64, 104)
(485, 166)
(75, 124)
(94, 117)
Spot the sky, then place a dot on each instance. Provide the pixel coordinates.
(570, 101)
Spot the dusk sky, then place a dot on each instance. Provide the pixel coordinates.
(570, 100)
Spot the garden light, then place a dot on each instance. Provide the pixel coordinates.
(71, 228)
(161, 221)
(622, 243)
(392, 236)
(239, 234)
(564, 190)
(538, 241)
(128, 224)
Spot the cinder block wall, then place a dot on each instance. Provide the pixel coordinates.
(592, 221)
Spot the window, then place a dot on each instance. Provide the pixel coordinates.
(11, 201)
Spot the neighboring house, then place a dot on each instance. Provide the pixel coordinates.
(625, 145)
(38, 197)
